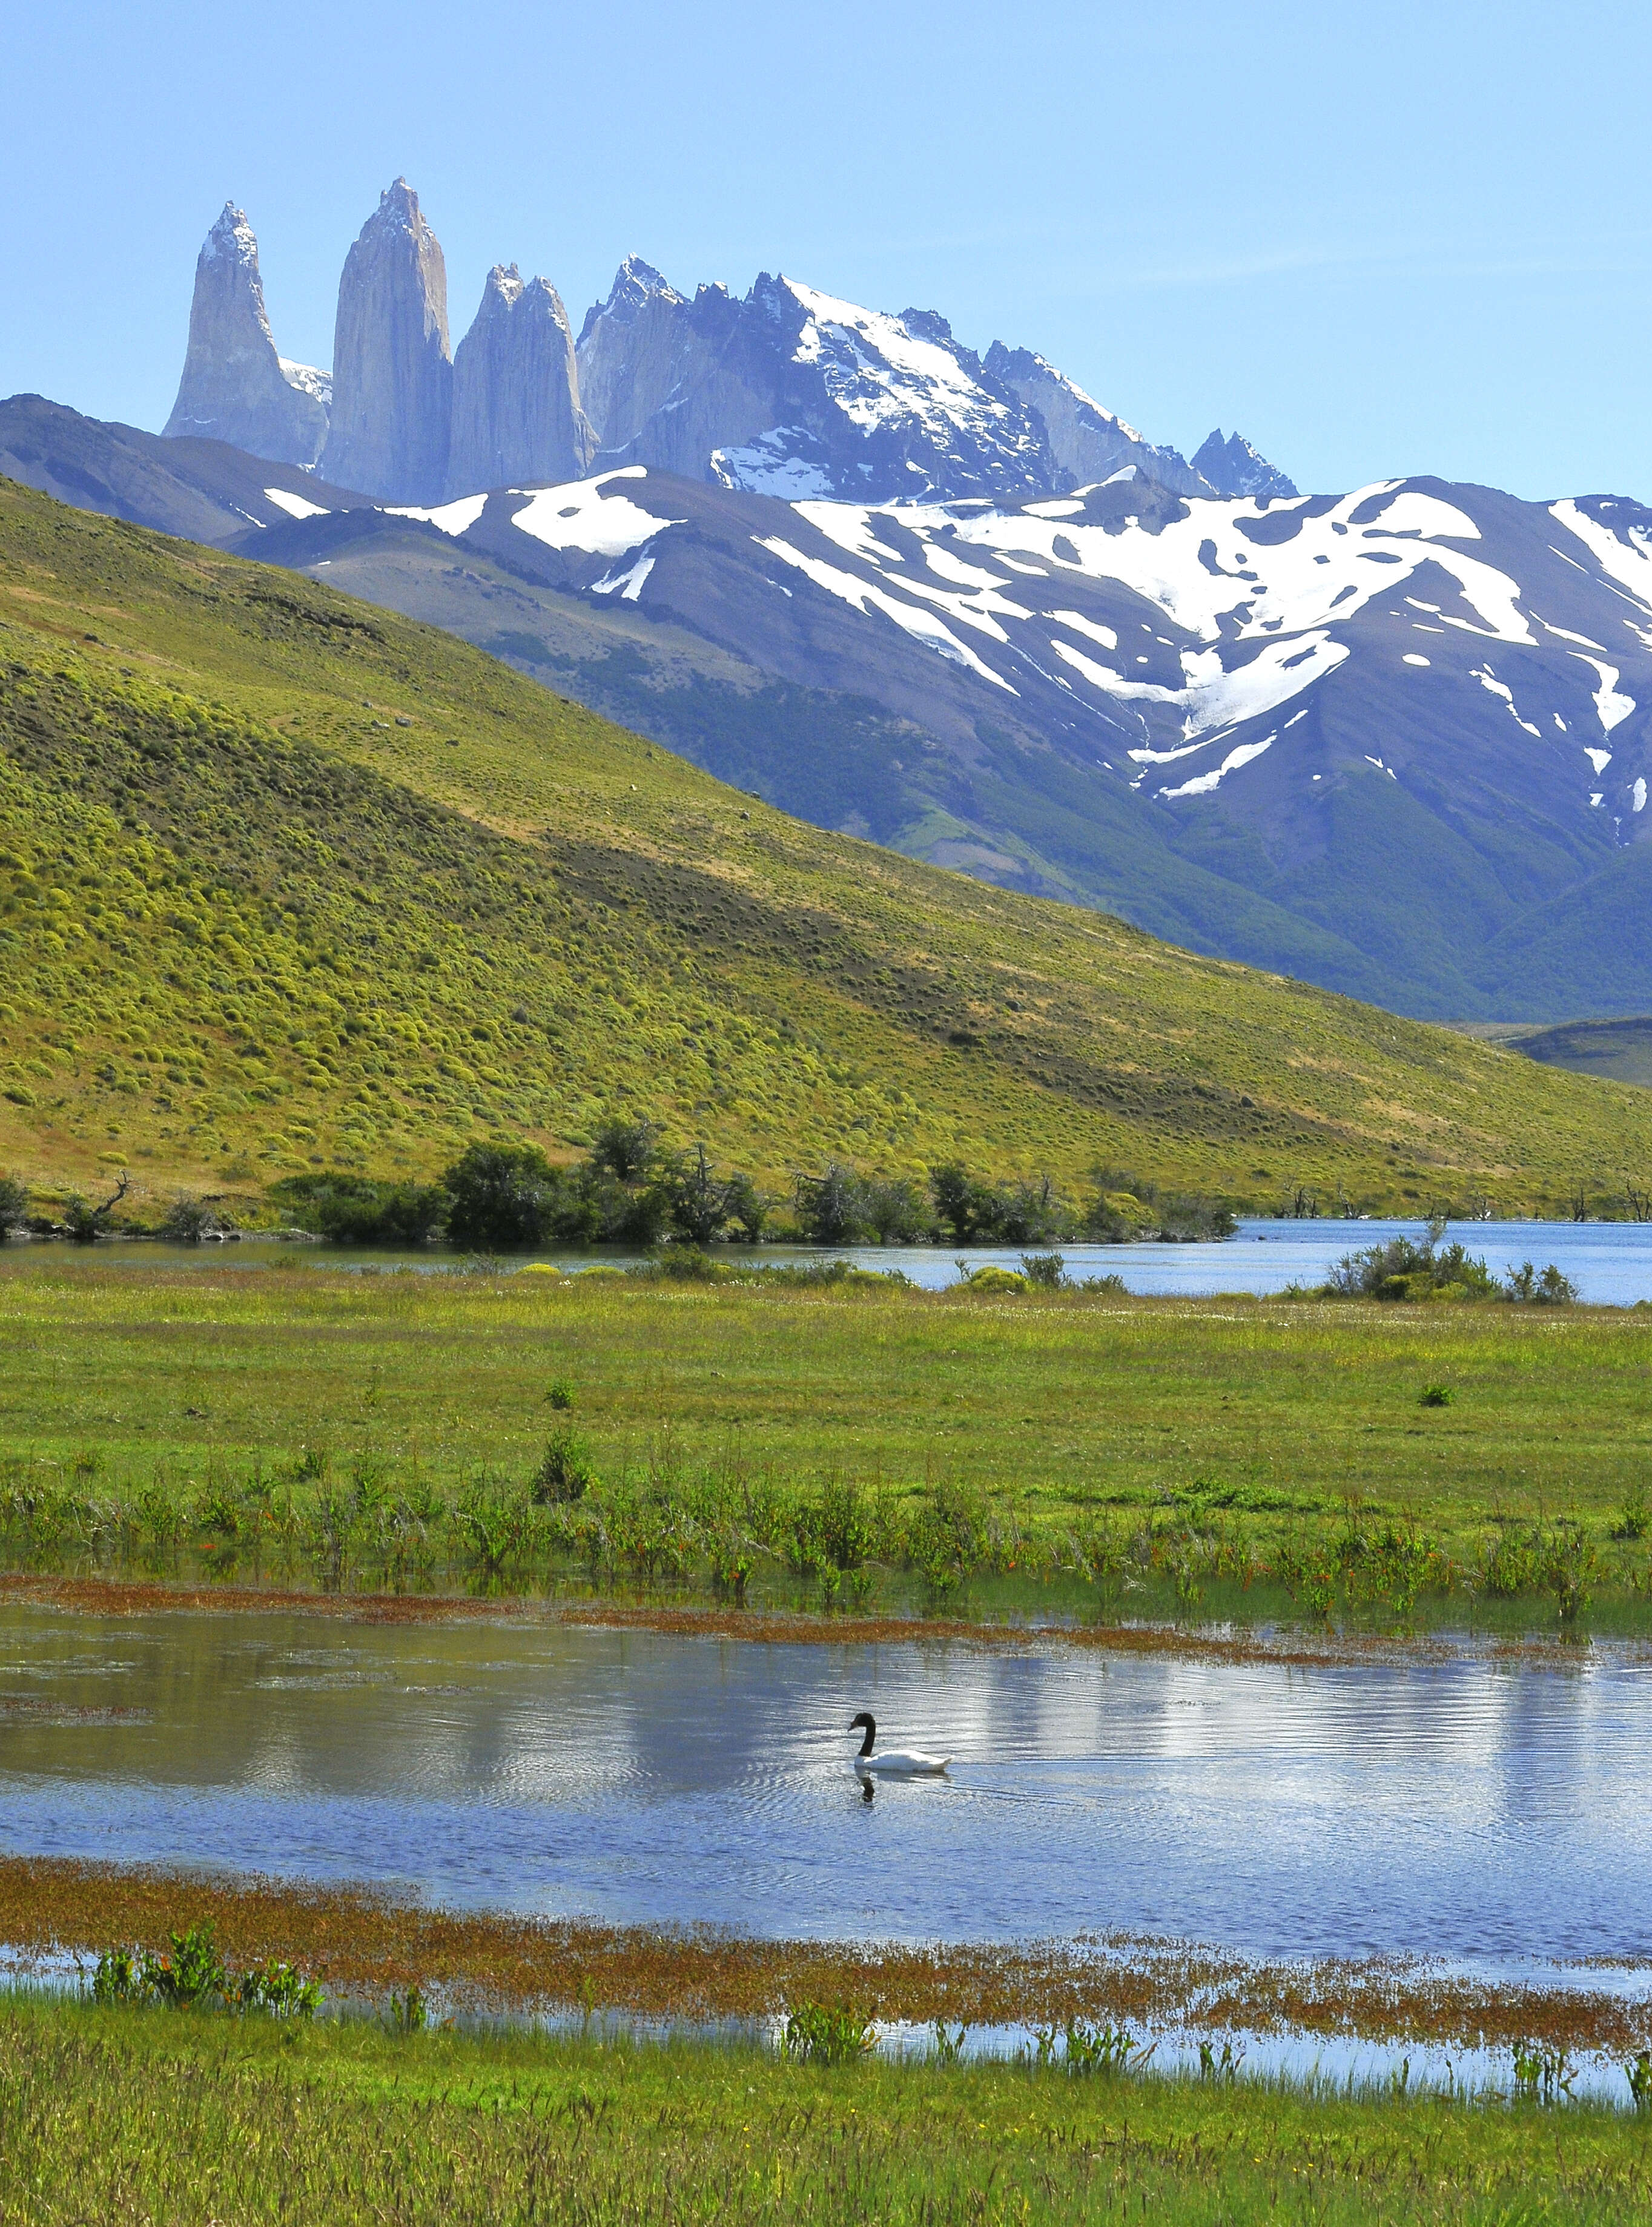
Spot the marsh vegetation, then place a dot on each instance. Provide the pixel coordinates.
(811, 1439)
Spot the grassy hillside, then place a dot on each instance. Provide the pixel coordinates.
(285, 879)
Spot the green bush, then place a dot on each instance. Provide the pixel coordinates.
(974, 1212)
(565, 1473)
(502, 1195)
(822, 2033)
(833, 1207)
(1404, 1269)
(352, 1209)
(1546, 1288)
(191, 1220)
(14, 1207)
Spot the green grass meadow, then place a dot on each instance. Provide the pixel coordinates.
(1227, 1429)
(190, 2120)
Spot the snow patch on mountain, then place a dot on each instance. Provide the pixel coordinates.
(1201, 784)
(452, 518)
(1613, 707)
(294, 505)
(307, 379)
(581, 516)
(862, 595)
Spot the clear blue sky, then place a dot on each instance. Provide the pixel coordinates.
(1378, 240)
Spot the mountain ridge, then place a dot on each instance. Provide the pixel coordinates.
(288, 879)
(787, 390)
(1360, 742)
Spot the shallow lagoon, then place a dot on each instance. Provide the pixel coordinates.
(1478, 1810)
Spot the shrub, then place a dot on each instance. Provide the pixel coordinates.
(989, 1279)
(895, 1213)
(747, 1209)
(976, 1213)
(624, 1150)
(278, 1989)
(353, 1209)
(561, 1396)
(1190, 1221)
(83, 1222)
(1636, 1520)
(565, 1473)
(1435, 1395)
(833, 1207)
(699, 1205)
(191, 1220)
(1403, 1269)
(191, 1974)
(821, 2034)
(14, 1207)
(1046, 1270)
(502, 1195)
(1547, 1288)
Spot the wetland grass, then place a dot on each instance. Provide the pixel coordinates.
(866, 1452)
(110, 2113)
(359, 1943)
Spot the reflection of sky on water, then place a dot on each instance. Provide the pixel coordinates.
(1469, 1809)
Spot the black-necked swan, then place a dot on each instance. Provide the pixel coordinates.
(905, 1761)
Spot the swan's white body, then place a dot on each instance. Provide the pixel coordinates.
(894, 1762)
(902, 1763)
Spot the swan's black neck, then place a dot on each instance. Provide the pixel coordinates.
(867, 1719)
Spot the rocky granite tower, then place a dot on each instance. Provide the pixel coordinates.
(516, 416)
(236, 387)
(631, 352)
(392, 376)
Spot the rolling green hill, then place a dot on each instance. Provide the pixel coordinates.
(285, 879)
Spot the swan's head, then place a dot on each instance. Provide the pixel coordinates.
(863, 1720)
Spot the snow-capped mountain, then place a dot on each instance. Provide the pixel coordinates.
(794, 393)
(1396, 740)
(788, 391)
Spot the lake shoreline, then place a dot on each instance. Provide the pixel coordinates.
(118, 1596)
(365, 1945)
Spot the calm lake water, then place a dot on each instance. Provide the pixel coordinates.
(1610, 1262)
(1468, 1810)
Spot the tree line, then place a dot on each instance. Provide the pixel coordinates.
(632, 1189)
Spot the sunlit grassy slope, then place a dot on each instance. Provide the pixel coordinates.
(284, 879)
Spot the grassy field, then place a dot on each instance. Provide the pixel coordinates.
(1110, 1449)
(164, 2116)
(286, 880)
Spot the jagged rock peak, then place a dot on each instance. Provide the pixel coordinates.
(392, 376)
(232, 236)
(516, 415)
(398, 211)
(1236, 469)
(1087, 441)
(633, 350)
(235, 386)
